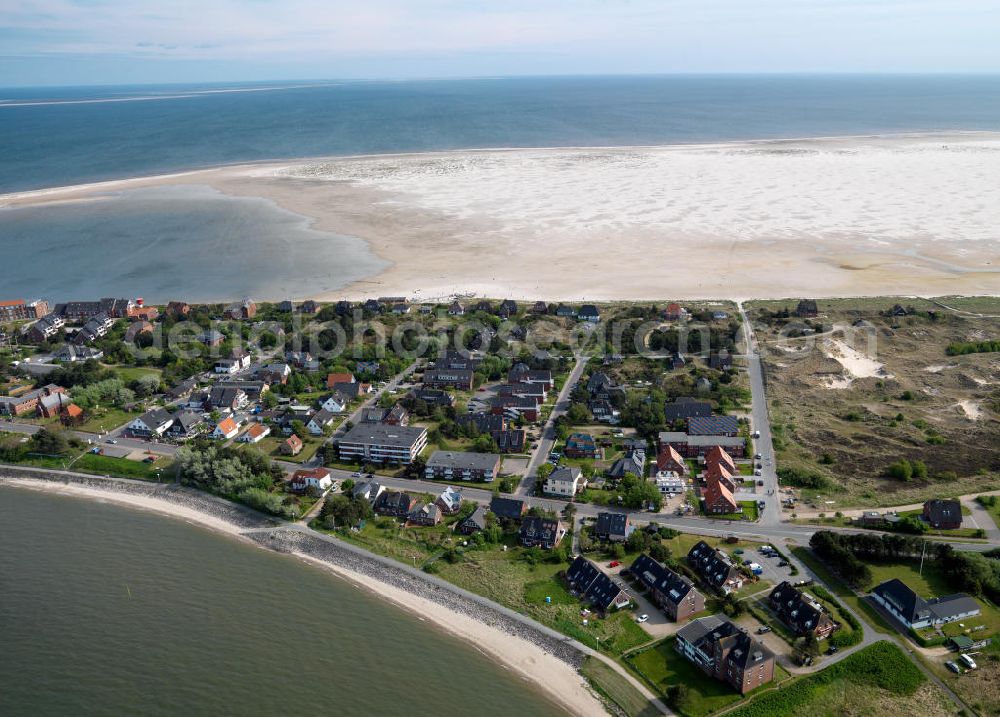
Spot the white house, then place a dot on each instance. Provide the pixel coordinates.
(226, 429)
(334, 403)
(319, 421)
(255, 434)
(317, 478)
(669, 483)
(152, 423)
(237, 363)
(566, 482)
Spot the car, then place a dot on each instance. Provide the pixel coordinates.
(111, 440)
(747, 562)
(762, 629)
(757, 457)
(738, 551)
(833, 650)
(757, 472)
(782, 563)
(356, 474)
(614, 564)
(149, 459)
(760, 482)
(953, 667)
(642, 618)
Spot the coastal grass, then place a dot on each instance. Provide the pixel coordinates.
(123, 467)
(881, 666)
(616, 689)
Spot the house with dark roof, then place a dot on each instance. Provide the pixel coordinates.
(601, 591)
(581, 445)
(474, 523)
(803, 614)
(615, 527)
(507, 508)
(943, 514)
(915, 612)
(682, 409)
(633, 462)
(726, 652)
(426, 514)
(807, 308)
(153, 423)
(690, 446)
(588, 312)
(540, 532)
(449, 378)
(675, 594)
(713, 426)
(714, 568)
(461, 465)
(185, 424)
(394, 503)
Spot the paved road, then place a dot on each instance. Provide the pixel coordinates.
(136, 444)
(548, 435)
(761, 421)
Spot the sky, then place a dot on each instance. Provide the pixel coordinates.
(68, 42)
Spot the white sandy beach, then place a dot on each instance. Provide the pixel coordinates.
(553, 676)
(854, 216)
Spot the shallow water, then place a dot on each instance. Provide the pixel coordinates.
(106, 610)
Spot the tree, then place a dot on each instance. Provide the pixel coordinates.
(545, 470)
(341, 511)
(660, 552)
(50, 442)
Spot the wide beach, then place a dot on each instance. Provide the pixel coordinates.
(852, 216)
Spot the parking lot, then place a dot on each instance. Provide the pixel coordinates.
(772, 571)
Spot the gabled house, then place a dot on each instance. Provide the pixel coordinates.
(800, 612)
(714, 568)
(668, 460)
(456, 309)
(426, 514)
(588, 312)
(718, 498)
(914, 612)
(319, 422)
(717, 456)
(565, 482)
(684, 408)
(255, 434)
(675, 594)
(615, 527)
(152, 424)
(713, 426)
(582, 445)
(475, 522)
(334, 403)
(334, 378)
(507, 508)
(395, 504)
(541, 532)
(185, 424)
(291, 446)
(450, 500)
(943, 514)
(726, 652)
(633, 462)
(368, 490)
(318, 479)
(227, 428)
(601, 591)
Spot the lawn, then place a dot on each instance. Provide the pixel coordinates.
(123, 467)
(615, 688)
(271, 446)
(104, 419)
(513, 579)
(661, 667)
(750, 512)
(131, 373)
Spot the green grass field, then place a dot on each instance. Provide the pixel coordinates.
(104, 419)
(615, 688)
(123, 467)
(131, 373)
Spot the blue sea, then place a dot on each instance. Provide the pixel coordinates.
(63, 136)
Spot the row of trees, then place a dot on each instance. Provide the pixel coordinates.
(247, 476)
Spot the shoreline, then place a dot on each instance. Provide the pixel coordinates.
(755, 219)
(553, 675)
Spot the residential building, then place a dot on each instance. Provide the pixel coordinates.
(152, 424)
(943, 514)
(433, 397)
(456, 309)
(320, 421)
(633, 462)
(255, 434)
(507, 508)
(291, 446)
(226, 398)
(450, 500)
(522, 373)
(71, 353)
(333, 379)
(369, 490)
(53, 405)
(565, 482)
(238, 360)
(227, 428)
(179, 309)
(675, 594)
(45, 328)
(317, 479)
(668, 460)
(182, 389)
(95, 328)
(713, 426)
(515, 407)
(581, 445)
(915, 612)
(449, 378)
(601, 591)
(245, 309)
(460, 465)
(396, 504)
(615, 527)
(27, 402)
(714, 567)
(185, 425)
(682, 409)
(426, 514)
(380, 443)
(717, 497)
(801, 612)
(588, 312)
(83, 310)
(475, 522)
(669, 483)
(716, 455)
(726, 652)
(21, 310)
(716, 471)
(807, 308)
(541, 532)
(698, 446)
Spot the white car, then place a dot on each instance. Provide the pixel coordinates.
(642, 618)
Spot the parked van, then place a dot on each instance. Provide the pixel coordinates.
(967, 661)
